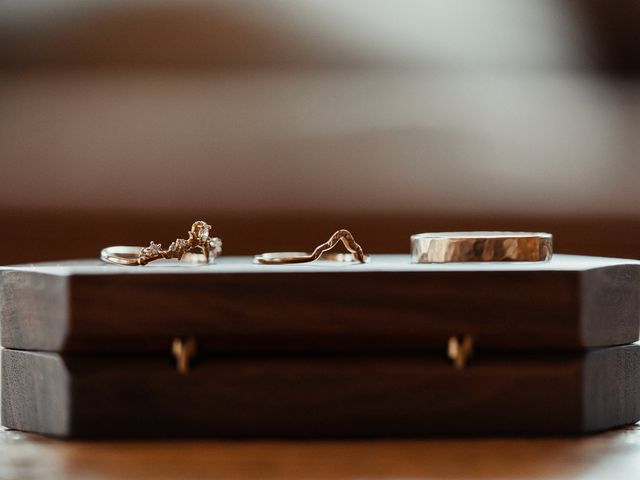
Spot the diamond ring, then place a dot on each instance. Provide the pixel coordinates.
(200, 243)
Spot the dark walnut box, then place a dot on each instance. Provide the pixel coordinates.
(320, 350)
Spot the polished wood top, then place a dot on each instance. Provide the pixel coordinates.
(614, 454)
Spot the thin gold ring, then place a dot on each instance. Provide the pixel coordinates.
(198, 248)
(355, 255)
(276, 258)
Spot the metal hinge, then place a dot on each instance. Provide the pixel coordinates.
(460, 350)
(183, 349)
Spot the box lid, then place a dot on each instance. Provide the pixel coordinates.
(570, 303)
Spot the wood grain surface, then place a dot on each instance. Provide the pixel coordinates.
(386, 305)
(610, 455)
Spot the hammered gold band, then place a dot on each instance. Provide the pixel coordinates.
(445, 247)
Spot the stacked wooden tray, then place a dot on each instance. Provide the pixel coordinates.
(321, 350)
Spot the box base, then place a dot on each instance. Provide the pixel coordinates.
(320, 396)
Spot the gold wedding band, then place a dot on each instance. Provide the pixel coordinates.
(199, 248)
(355, 255)
(444, 247)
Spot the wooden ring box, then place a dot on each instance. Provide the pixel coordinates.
(387, 348)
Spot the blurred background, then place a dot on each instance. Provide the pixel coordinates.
(279, 122)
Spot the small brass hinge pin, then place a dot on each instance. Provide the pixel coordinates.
(183, 350)
(460, 350)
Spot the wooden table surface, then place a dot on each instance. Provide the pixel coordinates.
(614, 454)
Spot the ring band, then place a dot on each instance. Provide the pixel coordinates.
(199, 248)
(445, 247)
(274, 258)
(122, 255)
(129, 255)
(355, 255)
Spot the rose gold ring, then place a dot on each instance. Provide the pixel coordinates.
(445, 247)
(199, 248)
(356, 254)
